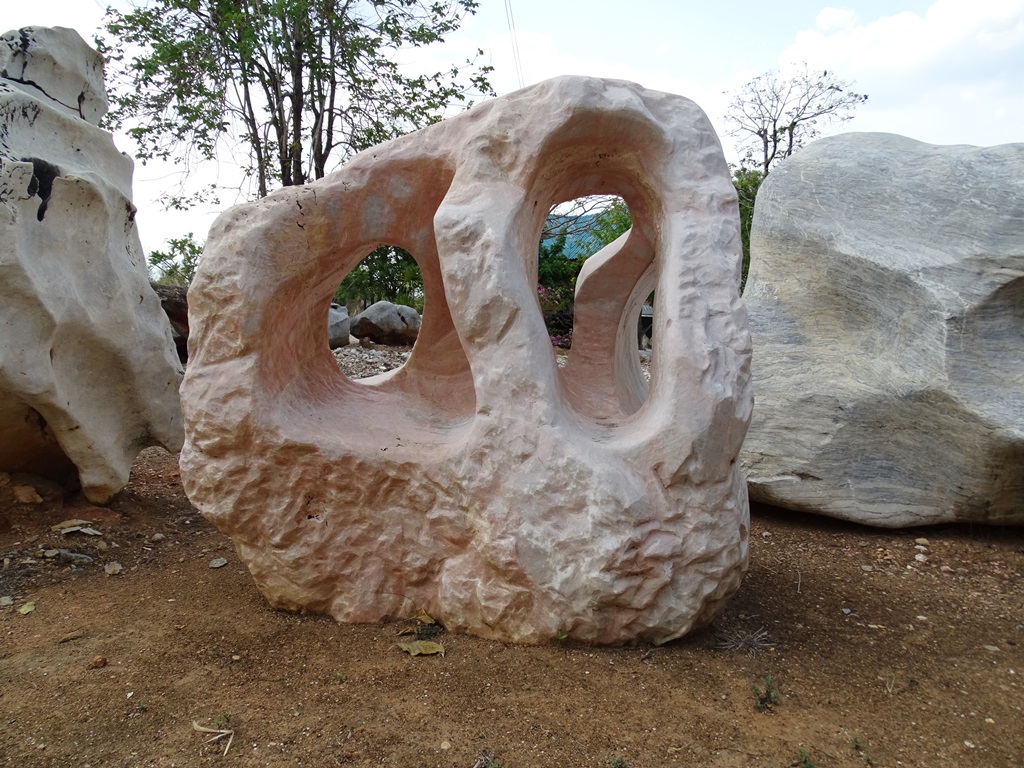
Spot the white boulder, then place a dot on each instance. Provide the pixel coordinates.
(88, 371)
(479, 482)
(886, 299)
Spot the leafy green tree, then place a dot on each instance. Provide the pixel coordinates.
(774, 116)
(177, 265)
(609, 224)
(299, 85)
(747, 181)
(387, 274)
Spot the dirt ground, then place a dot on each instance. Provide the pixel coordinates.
(883, 649)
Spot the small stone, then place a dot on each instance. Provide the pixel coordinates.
(992, 648)
(921, 542)
(947, 569)
(969, 744)
(990, 721)
(6, 601)
(921, 618)
(113, 568)
(867, 568)
(157, 537)
(847, 611)
(921, 557)
(26, 494)
(920, 547)
(51, 553)
(445, 746)
(218, 562)
(97, 662)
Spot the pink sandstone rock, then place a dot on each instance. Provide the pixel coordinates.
(481, 483)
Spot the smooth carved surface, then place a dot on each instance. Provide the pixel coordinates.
(88, 372)
(886, 298)
(481, 483)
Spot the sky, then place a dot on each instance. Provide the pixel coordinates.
(940, 71)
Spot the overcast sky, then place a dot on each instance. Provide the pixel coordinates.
(941, 71)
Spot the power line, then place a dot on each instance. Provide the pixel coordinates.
(515, 42)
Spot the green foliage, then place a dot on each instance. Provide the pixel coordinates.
(177, 265)
(747, 182)
(609, 224)
(805, 760)
(618, 762)
(387, 274)
(299, 84)
(766, 697)
(775, 116)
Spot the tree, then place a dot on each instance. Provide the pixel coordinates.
(747, 181)
(178, 264)
(299, 84)
(387, 274)
(609, 224)
(775, 116)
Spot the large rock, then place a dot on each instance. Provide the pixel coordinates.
(387, 323)
(480, 482)
(886, 297)
(88, 372)
(339, 326)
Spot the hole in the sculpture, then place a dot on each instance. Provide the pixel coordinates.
(375, 316)
(573, 232)
(645, 324)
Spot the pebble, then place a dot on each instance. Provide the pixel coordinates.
(867, 568)
(947, 569)
(157, 537)
(218, 562)
(922, 542)
(921, 557)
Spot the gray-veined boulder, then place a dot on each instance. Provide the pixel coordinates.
(886, 300)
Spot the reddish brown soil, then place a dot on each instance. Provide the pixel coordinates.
(924, 667)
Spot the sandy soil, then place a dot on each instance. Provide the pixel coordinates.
(877, 657)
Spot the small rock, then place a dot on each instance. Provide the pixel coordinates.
(218, 562)
(990, 721)
(51, 553)
(98, 662)
(969, 744)
(920, 547)
(922, 542)
(921, 557)
(26, 494)
(847, 611)
(157, 537)
(445, 745)
(867, 568)
(992, 648)
(947, 569)
(6, 601)
(113, 568)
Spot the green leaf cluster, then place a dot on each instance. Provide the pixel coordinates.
(177, 265)
(298, 85)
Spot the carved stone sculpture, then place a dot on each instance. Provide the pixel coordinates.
(88, 371)
(886, 297)
(479, 482)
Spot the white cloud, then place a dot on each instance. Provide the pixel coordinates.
(951, 73)
(834, 19)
